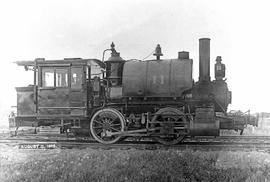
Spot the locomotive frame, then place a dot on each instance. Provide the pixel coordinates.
(116, 98)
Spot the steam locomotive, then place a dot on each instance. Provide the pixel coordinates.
(116, 98)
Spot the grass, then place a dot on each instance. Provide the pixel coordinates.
(132, 165)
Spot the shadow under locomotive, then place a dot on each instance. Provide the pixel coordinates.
(116, 98)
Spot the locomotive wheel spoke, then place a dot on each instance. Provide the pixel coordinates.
(98, 122)
(99, 131)
(113, 121)
(97, 127)
(115, 129)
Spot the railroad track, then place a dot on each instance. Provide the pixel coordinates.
(205, 146)
(231, 143)
(63, 137)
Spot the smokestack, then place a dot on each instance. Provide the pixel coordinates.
(204, 59)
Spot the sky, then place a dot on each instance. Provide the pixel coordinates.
(57, 29)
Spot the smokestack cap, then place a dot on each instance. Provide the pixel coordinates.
(204, 39)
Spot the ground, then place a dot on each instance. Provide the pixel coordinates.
(131, 165)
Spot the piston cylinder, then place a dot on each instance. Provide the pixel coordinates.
(204, 123)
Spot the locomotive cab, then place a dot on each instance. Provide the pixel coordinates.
(62, 91)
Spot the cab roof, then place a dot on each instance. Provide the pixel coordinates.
(66, 62)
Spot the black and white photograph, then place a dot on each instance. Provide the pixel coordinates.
(135, 91)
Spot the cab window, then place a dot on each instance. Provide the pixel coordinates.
(54, 77)
(76, 77)
(61, 77)
(48, 77)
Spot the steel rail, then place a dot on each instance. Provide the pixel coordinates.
(205, 146)
(63, 137)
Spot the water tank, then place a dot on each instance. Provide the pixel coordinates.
(157, 78)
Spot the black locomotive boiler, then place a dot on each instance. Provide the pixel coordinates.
(116, 98)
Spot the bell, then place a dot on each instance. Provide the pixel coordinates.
(158, 52)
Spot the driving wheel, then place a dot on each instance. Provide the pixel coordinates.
(173, 125)
(104, 122)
